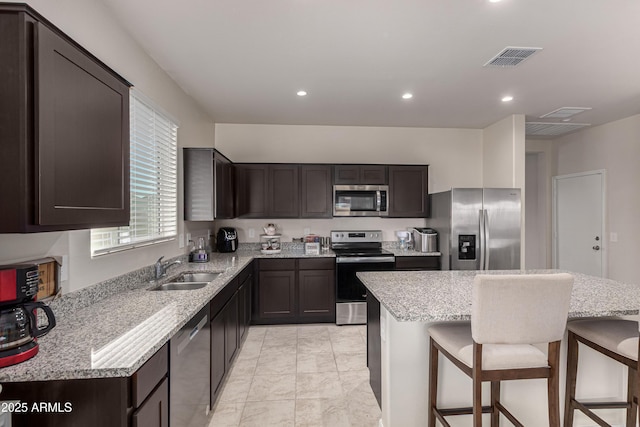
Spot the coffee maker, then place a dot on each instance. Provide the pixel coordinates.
(19, 323)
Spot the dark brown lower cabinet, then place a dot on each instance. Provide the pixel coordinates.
(277, 291)
(295, 291)
(218, 358)
(231, 315)
(231, 329)
(154, 412)
(141, 400)
(417, 263)
(244, 307)
(374, 347)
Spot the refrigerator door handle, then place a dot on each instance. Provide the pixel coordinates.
(482, 239)
(487, 253)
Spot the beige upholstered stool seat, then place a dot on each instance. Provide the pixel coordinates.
(616, 339)
(616, 335)
(510, 315)
(456, 339)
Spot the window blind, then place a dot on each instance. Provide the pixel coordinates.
(153, 182)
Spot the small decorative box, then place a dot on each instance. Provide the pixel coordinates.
(312, 248)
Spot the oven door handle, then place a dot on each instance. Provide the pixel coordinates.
(364, 259)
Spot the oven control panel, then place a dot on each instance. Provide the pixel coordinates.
(356, 236)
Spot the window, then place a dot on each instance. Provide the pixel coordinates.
(153, 169)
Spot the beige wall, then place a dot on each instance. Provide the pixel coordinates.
(503, 153)
(540, 167)
(452, 154)
(92, 25)
(614, 147)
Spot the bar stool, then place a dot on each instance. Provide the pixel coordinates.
(615, 338)
(509, 313)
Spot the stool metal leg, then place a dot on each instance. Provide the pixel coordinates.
(495, 400)
(572, 371)
(433, 382)
(632, 410)
(553, 384)
(477, 384)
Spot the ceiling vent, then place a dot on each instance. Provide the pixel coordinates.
(552, 129)
(564, 112)
(511, 56)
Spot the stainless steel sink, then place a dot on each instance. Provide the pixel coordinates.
(187, 281)
(197, 277)
(179, 286)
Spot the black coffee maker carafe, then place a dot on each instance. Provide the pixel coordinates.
(19, 330)
(19, 318)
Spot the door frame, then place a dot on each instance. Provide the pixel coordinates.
(554, 217)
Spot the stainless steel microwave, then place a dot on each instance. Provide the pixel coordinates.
(360, 200)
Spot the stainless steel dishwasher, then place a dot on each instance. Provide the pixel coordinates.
(189, 376)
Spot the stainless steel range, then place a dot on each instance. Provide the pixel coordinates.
(356, 250)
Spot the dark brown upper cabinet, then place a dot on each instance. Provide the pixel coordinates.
(267, 191)
(64, 128)
(360, 175)
(208, 185)
(251, 190)
(284, 196)
(316, 197)
(408, 191)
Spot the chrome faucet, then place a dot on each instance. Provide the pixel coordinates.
(162, 267)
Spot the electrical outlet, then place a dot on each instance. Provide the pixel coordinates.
(252, 232)
(306, 231)
(180, 240)
(188, 237)
(613, 237)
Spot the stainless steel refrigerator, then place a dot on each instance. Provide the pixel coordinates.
(479, 228)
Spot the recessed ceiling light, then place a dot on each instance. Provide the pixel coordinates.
(494, 1)
(407, 95)
(301, 93)
(507, 98)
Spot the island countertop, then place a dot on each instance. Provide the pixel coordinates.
(431, 296)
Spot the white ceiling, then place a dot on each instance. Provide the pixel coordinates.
(244, 60)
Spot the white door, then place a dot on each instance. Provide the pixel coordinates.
(578, 220)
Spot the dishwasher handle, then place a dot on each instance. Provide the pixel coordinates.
(186, 340)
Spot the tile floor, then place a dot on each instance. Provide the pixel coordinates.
(299, 375)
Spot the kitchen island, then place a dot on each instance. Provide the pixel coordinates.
(409, 302)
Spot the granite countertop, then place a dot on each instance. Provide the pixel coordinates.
(430, 296)
(116, 335)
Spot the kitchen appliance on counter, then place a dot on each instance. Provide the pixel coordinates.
(199, 253)
(356, 250)
(360, 200)
(19, 326)
(425, 239)
(404, 239)
(227, 239)
(479, 228)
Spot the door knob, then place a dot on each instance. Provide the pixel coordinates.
(596, 248)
